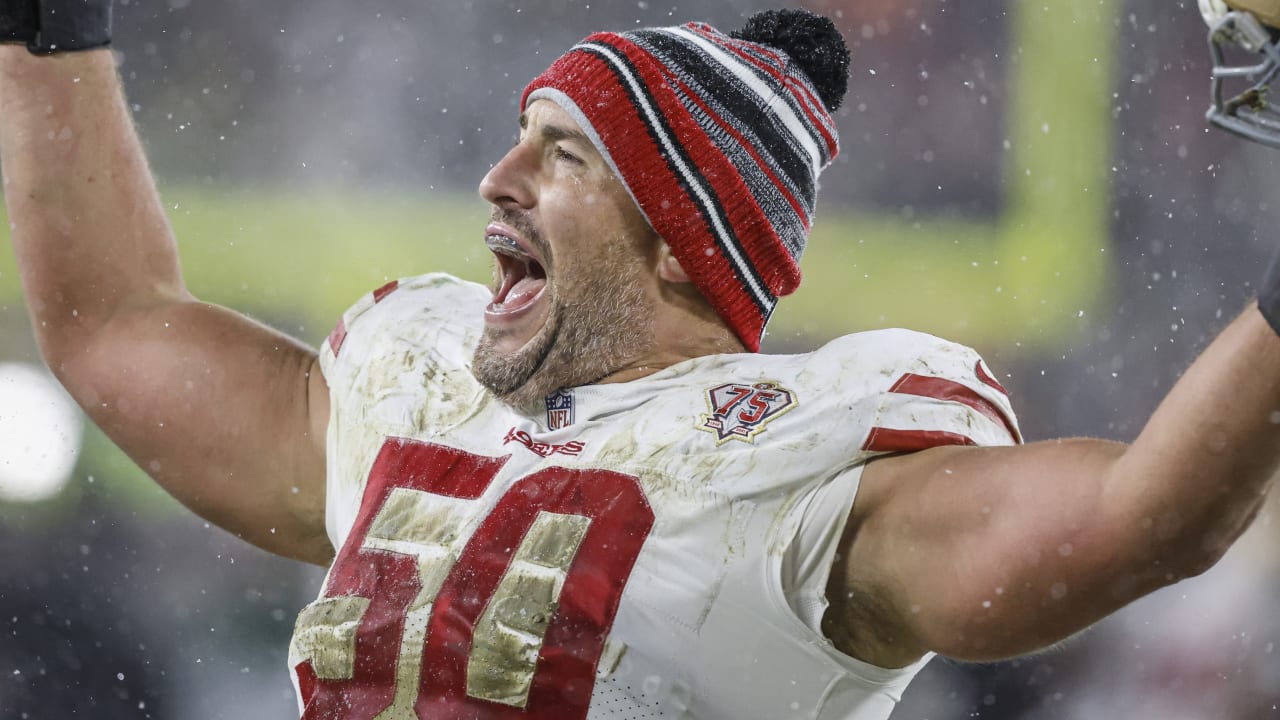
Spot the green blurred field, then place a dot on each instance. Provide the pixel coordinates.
(298, 261)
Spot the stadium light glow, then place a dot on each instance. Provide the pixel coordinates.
(40, 433)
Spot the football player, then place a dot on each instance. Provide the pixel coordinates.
(582, 492)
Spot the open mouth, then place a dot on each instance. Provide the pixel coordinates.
(522, 277)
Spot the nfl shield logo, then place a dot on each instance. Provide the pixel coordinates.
(560, 409)
(740, 411)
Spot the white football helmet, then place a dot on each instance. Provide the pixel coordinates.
(1239, 91)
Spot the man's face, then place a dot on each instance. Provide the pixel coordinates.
(572, 300)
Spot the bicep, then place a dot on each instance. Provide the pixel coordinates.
(226, 414)
(984, 553)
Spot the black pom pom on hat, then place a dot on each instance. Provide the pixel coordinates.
(811, 41)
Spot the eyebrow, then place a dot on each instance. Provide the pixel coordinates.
(554, 133)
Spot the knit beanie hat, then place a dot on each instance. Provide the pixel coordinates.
(719, 139)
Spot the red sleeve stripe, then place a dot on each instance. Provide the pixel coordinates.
(337, 337)
(952, 391)
(385, 290)
(891, 440)
(987, 380)
(339, 334)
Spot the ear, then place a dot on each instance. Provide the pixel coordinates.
(669, 267)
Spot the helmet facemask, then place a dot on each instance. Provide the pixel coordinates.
(1239, 91)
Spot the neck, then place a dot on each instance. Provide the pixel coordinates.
(692, 346)
(629, 373)
(685, 327)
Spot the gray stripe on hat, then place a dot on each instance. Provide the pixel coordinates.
(766, 94)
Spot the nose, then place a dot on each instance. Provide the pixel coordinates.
(510, 183)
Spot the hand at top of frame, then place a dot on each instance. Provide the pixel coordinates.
(53, 26)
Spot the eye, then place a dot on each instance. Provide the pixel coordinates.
(565, 155)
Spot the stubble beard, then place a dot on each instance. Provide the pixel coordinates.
(599, 325)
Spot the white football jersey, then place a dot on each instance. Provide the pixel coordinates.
(651, 549)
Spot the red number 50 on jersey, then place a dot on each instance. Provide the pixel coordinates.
(435, 610)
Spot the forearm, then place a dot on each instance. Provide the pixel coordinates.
(88, 227)
(1199, 470)
(227, 414)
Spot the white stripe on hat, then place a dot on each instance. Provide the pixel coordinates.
(745, 269)
(766, 93)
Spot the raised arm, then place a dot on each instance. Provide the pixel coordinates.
(985, 553)
(228, 415)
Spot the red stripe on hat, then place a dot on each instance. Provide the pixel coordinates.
(952, 391)
(891, 440)
(735, 46)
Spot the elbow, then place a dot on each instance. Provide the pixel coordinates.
(61, 349)
(76, 338)
(55, 354)
(1220, 526)
(74, 354)
(1193, 554)
(63, 332)
(64, 362)
(68, 322)
(1163, 554)
(1198, 563)
(1170, 539)
(1213, 543)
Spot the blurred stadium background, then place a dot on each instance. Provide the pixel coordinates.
(1033, 179)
